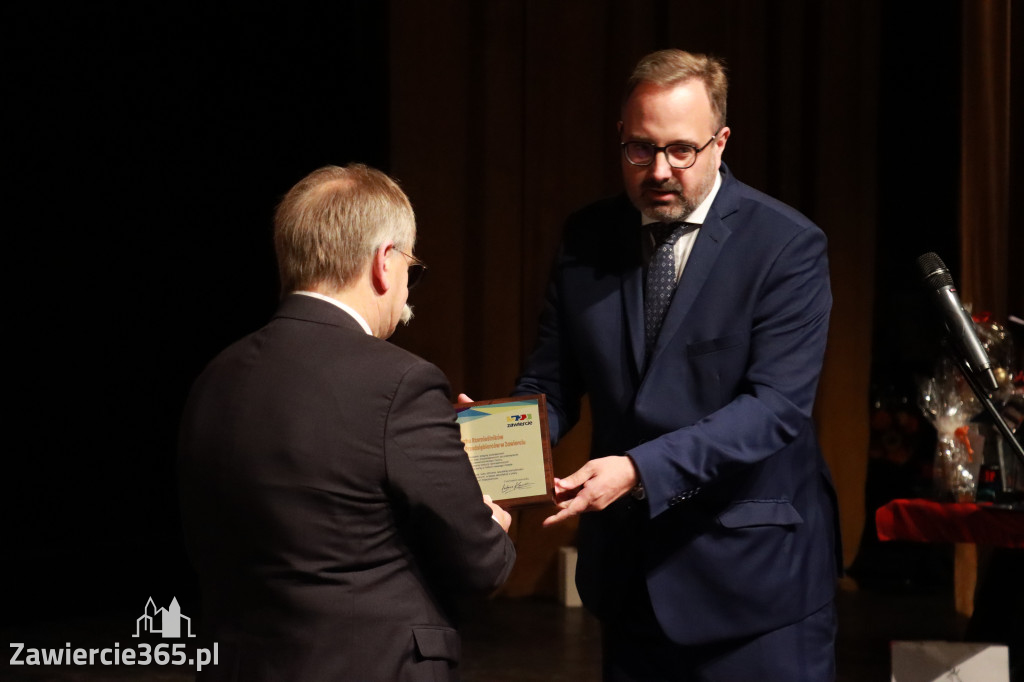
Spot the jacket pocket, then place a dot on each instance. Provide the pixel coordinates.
(437, 643)
(760, 513)
(713, 345)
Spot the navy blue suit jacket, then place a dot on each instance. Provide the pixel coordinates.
(737, 535)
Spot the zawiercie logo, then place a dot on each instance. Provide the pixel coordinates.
(519, 420)
(167, 622)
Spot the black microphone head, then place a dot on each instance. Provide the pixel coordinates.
(933, 271)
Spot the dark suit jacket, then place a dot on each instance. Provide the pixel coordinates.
(329, 506)
(737, 534)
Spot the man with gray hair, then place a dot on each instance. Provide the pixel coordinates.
(328, 503)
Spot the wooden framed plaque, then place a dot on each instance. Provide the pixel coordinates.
(508, 445)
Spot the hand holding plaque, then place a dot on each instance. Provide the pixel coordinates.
(508, 445)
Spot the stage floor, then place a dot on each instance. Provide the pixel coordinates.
(538, 640)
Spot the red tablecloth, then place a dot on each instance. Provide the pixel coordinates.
(927, 521)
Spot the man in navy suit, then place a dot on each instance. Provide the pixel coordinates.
(693, 312)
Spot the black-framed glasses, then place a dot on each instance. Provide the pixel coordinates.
(416, 268)
(680, 156)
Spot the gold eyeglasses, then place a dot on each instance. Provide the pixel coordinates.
(416, 268)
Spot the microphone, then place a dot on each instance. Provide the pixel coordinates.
(958, 323)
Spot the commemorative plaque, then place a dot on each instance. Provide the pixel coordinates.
(508, 446)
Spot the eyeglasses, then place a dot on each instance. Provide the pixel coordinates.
(679, 156)
(416, 268)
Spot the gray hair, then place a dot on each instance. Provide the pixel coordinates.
(330, 224)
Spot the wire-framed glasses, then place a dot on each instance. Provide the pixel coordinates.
(416, 268)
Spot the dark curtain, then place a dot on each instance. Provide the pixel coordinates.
(992, 248)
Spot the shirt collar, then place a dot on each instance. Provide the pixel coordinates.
(347, 308)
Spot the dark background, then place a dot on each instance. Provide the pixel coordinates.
(144, 152)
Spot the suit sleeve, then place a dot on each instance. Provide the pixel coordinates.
(429, 474)
(551, 369)
(787, 346)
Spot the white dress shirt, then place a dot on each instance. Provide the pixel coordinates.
(684, 244)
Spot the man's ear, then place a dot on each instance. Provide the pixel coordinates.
(381, 269)
(618, 129)
(723, 137)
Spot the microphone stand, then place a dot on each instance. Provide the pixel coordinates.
(990, 408)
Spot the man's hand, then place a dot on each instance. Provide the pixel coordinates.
(597, 484)
(503, 518)
(463, 398)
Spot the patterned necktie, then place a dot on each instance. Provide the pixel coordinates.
(661, 277)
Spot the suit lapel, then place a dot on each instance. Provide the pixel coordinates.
(706, 249)
(633, 307)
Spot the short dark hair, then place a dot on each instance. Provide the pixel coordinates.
(668, 67)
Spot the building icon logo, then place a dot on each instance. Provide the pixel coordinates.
(167, 622)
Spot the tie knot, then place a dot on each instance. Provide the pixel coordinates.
(669, 233)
